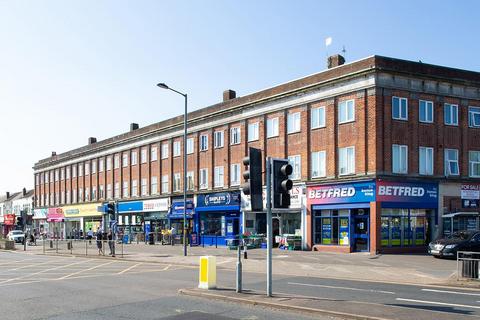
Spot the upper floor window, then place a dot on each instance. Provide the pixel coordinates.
(218, 177)
(176, 148)
(100, 165)
(190, 180)
(346, 159)
(80, 170)
(116, 161)
(176, 182)
(190, 147)
(56, 175)
(399, 108)
(154, 185)
(218, 139)
(296, 163)
(143, 155)
(125, 160)
(125, 189)
(74, 172)
(450, 112)
(87, 168)
(62, 174)
(153, 154)
(474, 164)
(133, 157)
(346, 111)
(109, 163)
(204, 178)
(318, 164)
(474, 117)
(143, 187)
(134, 188)
(165, 151)
(318, 117)
(451, 162)
(425, 166)
(253, 131)
(235, 135)
(293, 122)
(165, 183)
(67, 173)
(399, 158)
(425, 112)
(272, 127)
(94, 166)
(235, 174)
(203, 142)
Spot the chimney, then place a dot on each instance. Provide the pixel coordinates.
(54, 153)
(8, 194)
(24, 192)
(335, 61)
(133, 126)
(92, 140)
(229, 95)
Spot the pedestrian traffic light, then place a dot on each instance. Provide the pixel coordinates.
(281, 183)
(253, 178)
(111, 211)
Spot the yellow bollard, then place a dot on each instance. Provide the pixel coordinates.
(208, 272)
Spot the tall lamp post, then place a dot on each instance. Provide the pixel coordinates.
(164, 86)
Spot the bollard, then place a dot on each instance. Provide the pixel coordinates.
(216, 241)
(51, 244)
(43, 244)
(207, 272)
(57, 246)
(86, 248)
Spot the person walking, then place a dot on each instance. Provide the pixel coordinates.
(99, 242)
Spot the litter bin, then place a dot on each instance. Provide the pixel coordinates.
(151, 238)
(69, 245)
(469, 268)
(51, 244)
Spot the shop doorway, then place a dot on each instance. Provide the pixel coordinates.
(360, 233)
(233, 226)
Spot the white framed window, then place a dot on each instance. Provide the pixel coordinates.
(154, 185)
(87, 168)
(218, 139)
(176, 148)
(51, 176)
(94, 193)
(94, 166)
(450, 114)
(474, 117)
(399, 108)
(346, 111)
(296, 163)
(190, 180)
(116, 161)
(203, 142)
(425, 112)
(101, 192)
(176, 182)
(346, 160)
(87, 194)
(399, 158)
(235, 174)
(144, 189)
(125, 189)
(109, 191)
(125, 160)
(272, 127)
(165, 183)
(235, 137)
(133, 156)
(62, 174)
(100, 165)
(451, 162)
(46, 176)
(143, 155)
(116, 191)
(62, 197)
(67, 173)
(317, 117)
(153, 154)
(218, 177)
(474, 164)
(57, 175)
(109, 163)
(425, 161)
(253, 131)
(293, 122)
(134, 188)
(204, 178)
(74, 196)
(190, 147)
(80, 170)
(319, 164)
(165, 151)
(68, 197)
(80, 194)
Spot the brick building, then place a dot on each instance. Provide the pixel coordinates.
(386, 156)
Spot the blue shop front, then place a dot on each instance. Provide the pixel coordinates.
(130, 219)
(175, 219)
(220, 217)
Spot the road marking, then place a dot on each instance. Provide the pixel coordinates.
(84, 270)
(129, 268)
(167, 267)
(452, 292)
(439, 303)
(342, 288)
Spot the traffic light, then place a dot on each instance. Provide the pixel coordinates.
(111, 211)
(281, 183)
(253, 178)
(19, 221)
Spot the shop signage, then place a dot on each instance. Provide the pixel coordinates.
(132, 206)
(342, 193)
(9, 219)
(388, 191)
(296, 196)
(55, 215)
(82, 210)
(40, 214)
(156, 205)
(218, 199)
(470, 191)
(178, 208)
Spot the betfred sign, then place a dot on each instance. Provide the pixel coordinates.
(388, 191)
(342, 193)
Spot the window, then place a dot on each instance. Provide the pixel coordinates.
(56, 175)
(62, 174)
(450, 113)
(109, 163)
(87, 168)
(346, 160)
(318, 117)
(218, 139)
(176, 148)
(80, 170)
(67, 173)
(125, 189)
(218, 177)
(331, 227)
(176, 182)
(203, 142)
(80, 195)
(87, 194)
(100, 165)
(101, 192)
(46, 177)
(474, 117)
(296, 163)
(109, 191)
(153, 154)
(94, 193)
(125, 160)
(474, 164)
(154, 185)
(425, 166)
(165, 183)
(426, 111)
(133, 157)
(94, 166)
(116, 162)
(235, 137)
(51, 176)
(165, 151)
(318, 164)
(190, 147)
(143, 155)
(62, 197)
(293, 122)
(134, 188)
(68, 197)
(203, 178)
(399, 108)
(116, 192)
(272, 127)
(190, 181)
(399, 158)
(235, 174)
(346, 111)
(144, 189)
(253, 131)
(451, 162)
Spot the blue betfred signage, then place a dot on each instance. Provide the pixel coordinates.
(342, 193)
(218, 199)
(424, 193)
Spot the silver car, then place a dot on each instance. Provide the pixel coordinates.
(16, 235)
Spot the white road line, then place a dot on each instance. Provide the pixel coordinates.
(167, 267)
(440, 303)
(452, 292)
(129, 268)
(84, 270)
(342, 288)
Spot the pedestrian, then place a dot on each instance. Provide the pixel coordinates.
(89, 235)
(111, 244)
(99, 242)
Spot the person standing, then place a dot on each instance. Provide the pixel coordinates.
(89, 235)
(111, 243)
(99, 242)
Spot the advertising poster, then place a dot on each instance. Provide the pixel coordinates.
(326, 231)
(344, 232)
(385, 227)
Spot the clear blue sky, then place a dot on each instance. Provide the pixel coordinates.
(74, 69)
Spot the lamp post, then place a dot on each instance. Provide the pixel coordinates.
(164, 86)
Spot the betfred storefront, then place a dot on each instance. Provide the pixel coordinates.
(372, 216)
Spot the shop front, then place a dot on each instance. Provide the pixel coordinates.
(130, 220)
(175, 219)
(155, 217)
(79, 219)
(8, 223)
(40, 225)
(56, 223)
(220, 217)
(461, 204)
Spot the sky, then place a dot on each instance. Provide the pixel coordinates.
(70, 70)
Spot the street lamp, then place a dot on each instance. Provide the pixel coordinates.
(164, 86)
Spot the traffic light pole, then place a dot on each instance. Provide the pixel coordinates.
(268, 177)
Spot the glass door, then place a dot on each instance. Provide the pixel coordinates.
(361, 234)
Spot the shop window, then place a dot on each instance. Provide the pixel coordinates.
(332, 227)
(450, 113)
(213, 224)
(404, 227)
(474, 163)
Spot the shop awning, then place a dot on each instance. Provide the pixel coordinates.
(218, 208)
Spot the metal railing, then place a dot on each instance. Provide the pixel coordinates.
(468, 265)
(84, 247)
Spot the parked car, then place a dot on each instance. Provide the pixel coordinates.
(459, 241)
(16, 235)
